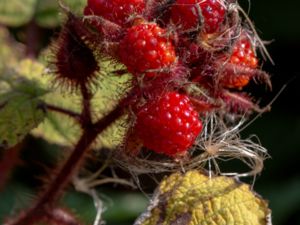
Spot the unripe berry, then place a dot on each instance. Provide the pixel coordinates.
(243, 55)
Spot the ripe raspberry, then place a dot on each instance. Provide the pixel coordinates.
(186, 14)
(146, 47)
(243, 55)
(168, 125)
(117, 11)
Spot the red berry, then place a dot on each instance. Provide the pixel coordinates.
(243, 55)
(168, 125)
(146, 47)
(185, 14)
(117, 11)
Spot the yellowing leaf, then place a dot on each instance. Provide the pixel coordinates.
(32, 70)
(195, 199)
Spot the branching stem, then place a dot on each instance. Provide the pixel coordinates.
(71, 166)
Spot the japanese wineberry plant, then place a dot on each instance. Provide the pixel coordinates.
(130, 89)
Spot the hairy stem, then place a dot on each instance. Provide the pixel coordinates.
(86, 115)
(58, 109)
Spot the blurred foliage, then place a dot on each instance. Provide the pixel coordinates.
(15, 12)
(44, 12)
(279, 130)
(19, 102)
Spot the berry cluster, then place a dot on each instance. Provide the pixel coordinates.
(173, 48)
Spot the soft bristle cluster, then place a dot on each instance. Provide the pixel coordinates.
(168, 125)
(75, 62)
(146, 49)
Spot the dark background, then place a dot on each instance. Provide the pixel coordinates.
(278, 130)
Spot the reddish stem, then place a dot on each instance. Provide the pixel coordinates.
(32, 39)
(67, 112)
(86, 115)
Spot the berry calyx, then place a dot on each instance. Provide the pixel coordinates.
(190, 15)
(243, 55)
(168, 125)
(117, 11)
(75, 62)
(146, 49)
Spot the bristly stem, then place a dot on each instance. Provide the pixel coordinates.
(86, 116)
(66, 112)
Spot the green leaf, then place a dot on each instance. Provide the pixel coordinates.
(48, 14)
(57, 128)
(20, 102)
(32, 70)
(76, 6)
(16, 12)
(19, 114)
(193, 198)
